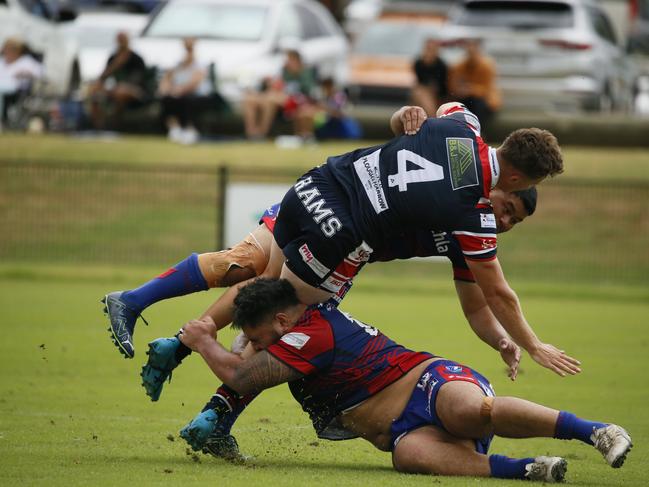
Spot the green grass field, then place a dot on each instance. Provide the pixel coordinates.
(72, 411)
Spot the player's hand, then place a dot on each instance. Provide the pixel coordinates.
(239, 343)
(196, 332)
(412, 118)
(511, 355)
(556, 360)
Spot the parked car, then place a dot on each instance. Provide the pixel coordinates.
(245, 40)
(41, 27)
(550, 54)
(380, 63)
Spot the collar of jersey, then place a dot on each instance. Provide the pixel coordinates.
(494, 166)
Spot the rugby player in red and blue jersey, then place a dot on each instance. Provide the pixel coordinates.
(436, 416)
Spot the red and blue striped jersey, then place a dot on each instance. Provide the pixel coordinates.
(344, 362)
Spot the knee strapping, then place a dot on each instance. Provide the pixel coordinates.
(247, 255)
(486, 408)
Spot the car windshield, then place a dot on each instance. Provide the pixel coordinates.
(205, 20)
(517, 15)
(394, 38)
(96, 37)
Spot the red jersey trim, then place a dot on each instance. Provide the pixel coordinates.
(269, 222)
(483, 153)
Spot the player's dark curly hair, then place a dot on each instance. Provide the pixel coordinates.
(260, 299)
(528, 197)
(534, 152)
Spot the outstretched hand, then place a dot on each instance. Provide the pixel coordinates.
(196, 331)
(556, 360)
(511, 355)
(412, 118)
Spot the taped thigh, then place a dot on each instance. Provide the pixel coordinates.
(221, 267)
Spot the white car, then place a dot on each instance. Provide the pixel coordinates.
(95, 34)
(245, 40)
(550, 54)
(43, 29)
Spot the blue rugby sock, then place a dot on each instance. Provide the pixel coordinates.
(503, 467)
(229, 405)
(184, 278)
(570, 427)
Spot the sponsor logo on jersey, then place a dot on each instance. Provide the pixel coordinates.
(295, 339)
(360, 253)
(315, 205)
(454, 369)
(461, 162)
(316, 266)
(441, 242)
(369, 173)
(333, 283)
(487, 220)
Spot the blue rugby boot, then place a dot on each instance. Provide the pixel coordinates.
(122, 322)
(199, 429)
(159, 366)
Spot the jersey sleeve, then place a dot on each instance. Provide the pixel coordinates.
(461, 271)
(308, 347)
(463, 114)
(476, 235)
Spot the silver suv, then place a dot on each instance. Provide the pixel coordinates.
(554, 55)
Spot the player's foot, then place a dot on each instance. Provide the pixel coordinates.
(613, 442)
(547, 469)
(122, 322)
(199, 429)
(159, 366)
(225, 447)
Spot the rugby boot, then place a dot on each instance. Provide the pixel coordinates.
(547, 469)
(159, 366)
(225, 447)
(122, 322)
(613, 442)
(199, 429)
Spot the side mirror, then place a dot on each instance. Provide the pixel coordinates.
(66, 14)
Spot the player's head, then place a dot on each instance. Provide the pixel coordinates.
(266, 309)
(512, 208)
(527, 157)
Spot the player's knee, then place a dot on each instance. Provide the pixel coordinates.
(464, 411)
(229, 267)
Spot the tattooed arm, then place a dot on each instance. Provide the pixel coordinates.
(259, 372)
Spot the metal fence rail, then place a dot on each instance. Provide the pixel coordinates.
(155, 215)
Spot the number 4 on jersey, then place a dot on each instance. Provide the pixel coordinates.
(429, 170)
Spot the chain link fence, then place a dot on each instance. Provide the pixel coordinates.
(595, 231)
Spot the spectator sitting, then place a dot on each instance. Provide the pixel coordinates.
(430, 90)
(328, 116)
(122, 84)
(18, 70)
(183, 90)
(293, 89)
(473, 83)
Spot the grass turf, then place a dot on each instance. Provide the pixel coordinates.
(72, 411)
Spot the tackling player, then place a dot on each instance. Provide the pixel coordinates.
(353, 382)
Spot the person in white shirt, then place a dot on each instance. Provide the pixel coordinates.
(18, 70)
(183, 89)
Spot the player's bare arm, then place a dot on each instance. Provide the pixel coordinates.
(504, 304)
(485, 325)
(407, 120)
(246, 376)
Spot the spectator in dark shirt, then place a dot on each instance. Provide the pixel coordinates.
(430, 90)
(120, 85)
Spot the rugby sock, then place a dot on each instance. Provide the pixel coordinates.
(182, 351)
(183, 278)
(229, 405)
(503, 467)
(570, 427)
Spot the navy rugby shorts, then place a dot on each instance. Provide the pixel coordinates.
(420, 410)
(316, 232)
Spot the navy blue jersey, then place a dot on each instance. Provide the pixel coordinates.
(438, 179)
(344, 362)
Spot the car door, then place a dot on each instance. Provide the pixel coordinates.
(323, 44)
(614, 58)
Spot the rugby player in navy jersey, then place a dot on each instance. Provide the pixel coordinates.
(436, 416)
